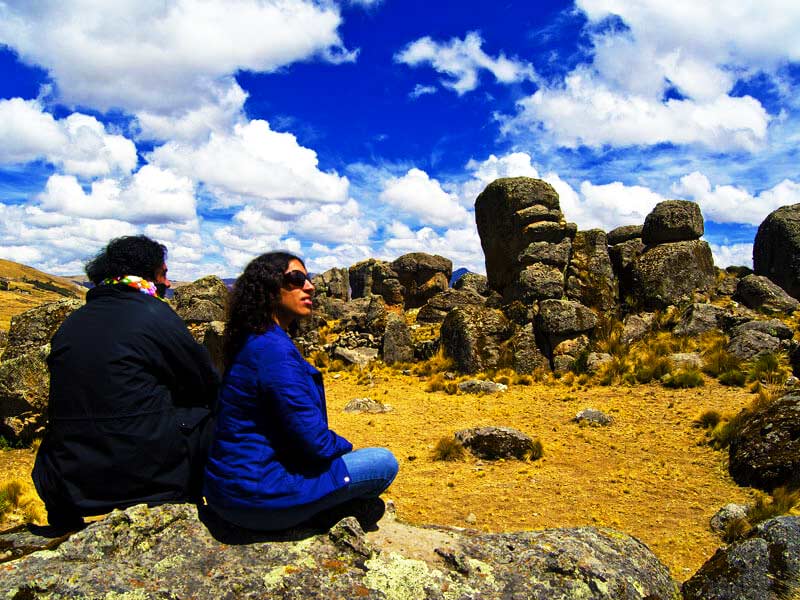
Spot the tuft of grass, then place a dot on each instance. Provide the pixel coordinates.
(650, 366)
(448, 449)
(717, 360)
(608, 337)
(709, 419)
(736, 529)
(320, 359)
(337, 365)
(616, 371)
(769, 368)
(782, 501)
(522, 380)
(726, 430)
(732, 378)
(435, 383)
(10, 494)
(438, 363)
(683, 378)
(536, 451)
(17, 496)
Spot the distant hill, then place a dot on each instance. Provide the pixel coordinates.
(458, 274)
(23, 287)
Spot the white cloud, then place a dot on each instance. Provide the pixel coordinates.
(733, 254)
(321, 257)
(460, 245)
(731, 204)
(461, 60)
(77, 144)
(256, 165)
(423, 198)
(164, 57)
(422, 90)
(334, 223)
(515, 164)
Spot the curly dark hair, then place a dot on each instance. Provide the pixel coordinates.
(128, 255)
(253, 300)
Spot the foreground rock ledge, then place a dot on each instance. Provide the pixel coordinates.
(167, 552)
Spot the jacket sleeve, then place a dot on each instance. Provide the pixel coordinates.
(195, 380)
(288, 386)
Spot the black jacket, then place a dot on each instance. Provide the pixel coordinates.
(130, 410)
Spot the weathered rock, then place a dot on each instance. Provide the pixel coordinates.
(366, 405)
(167, 551)
(774, 327)
(673, 221)
(356, 356)
(595, 360)
(776, 249)
(622, 257)
(564, 318)
(555, 255)
(750, 343)
(422, 276)
(572, 346)
(437, 308)
(624, 234)
(726, 284)
(685, 360)
(473, 337)
(698, 318)
(33, 328)
(765, 451)
(590, 277)
(527, 356)
(333, 283)
(671, 273)
(500, 214)
(392, 291)
(25, 383)
(592, 416)
(757, 291)
(211, 335)
(367, 278)
(563, 363)
(479, 386)
(536, 282)
(472, 282)
(764, 565)
(398, 345)
(492, 443)
(730, 512)
(547, 231)
(636, 327)
(376, 315)
(202, 301)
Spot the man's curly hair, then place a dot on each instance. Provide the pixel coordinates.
(128, 255)
(253, 300)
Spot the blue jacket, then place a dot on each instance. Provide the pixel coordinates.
(272, 446)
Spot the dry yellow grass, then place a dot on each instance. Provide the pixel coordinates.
(650, 474)
(24, 293)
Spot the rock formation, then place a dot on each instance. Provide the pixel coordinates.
(422, 276)
(776, 249)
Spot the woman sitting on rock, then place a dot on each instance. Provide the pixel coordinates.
(274, 462)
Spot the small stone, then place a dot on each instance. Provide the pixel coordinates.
(478, 386)
(592, 416)
(367, 405)
(725, 515)
(471, 518)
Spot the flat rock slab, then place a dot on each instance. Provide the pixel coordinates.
(366, 405)
(168, 552)
(492, 443)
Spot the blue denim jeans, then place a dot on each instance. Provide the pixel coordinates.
(371, 470)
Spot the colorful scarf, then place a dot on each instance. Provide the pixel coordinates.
(134, 281)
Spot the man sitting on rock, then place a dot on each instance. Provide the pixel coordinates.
(131, 394)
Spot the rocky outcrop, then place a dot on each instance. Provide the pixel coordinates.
(202, 301)
(398, 345)
(372, 276)
(521, 225)
(764, 565)
(562, 320)
(492, 443)
(673, 221)
(590, 276)
(473, 282)
(624, 234)
(474, 336)
(776, 249)
(622, 256)
(33, 328)
(168, 551)
(333, 283)
(422, 276)
(672, 273)
(527, 357)
(438, 307)
(746, 344)
(698, 318)
(24, 389)
(765, 452)
(758, 292)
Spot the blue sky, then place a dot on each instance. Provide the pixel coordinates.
(355, 129)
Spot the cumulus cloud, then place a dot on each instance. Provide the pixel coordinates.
(460, 245)
(422, 90)
(423, 198)
(667, 76)
(732, 204)
(156, 57)
(254, 164)
(78, 144)
(732, 255)
(461, 60)
(515, 164)
(323, 257)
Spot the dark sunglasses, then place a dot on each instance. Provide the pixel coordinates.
(296, 278)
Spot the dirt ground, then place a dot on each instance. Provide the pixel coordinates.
(649, 474)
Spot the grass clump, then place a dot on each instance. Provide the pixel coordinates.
(717, 360)
(709, 419)
(448, 449)
(617, 371)
(683, 378)
(781, 502)
(536, 451)
(19, 497)
(732, 378)
(768, 368)
(437, 383)
(438, 363)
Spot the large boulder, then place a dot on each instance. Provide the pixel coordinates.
(333, 283)
(671, 273)
(474, 336)
(212, 336)
(776, 249)
(673, 221)
(422, 276)
(590, 277)
(622, 256)
(699, 318)
(492, 443)
(624, 234)
(502, 212)
(527, 355)
(202, 301)
(33, 328)
(774, 327)
(24, 389)
(757, 291)
(555, 255)
(763, 565)
(398, 345)
(747, 344)
(538, 281)
(472, 282)
(438, 307)
(167, 551)
(372, 276)
(564, 318)
(765, 451)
